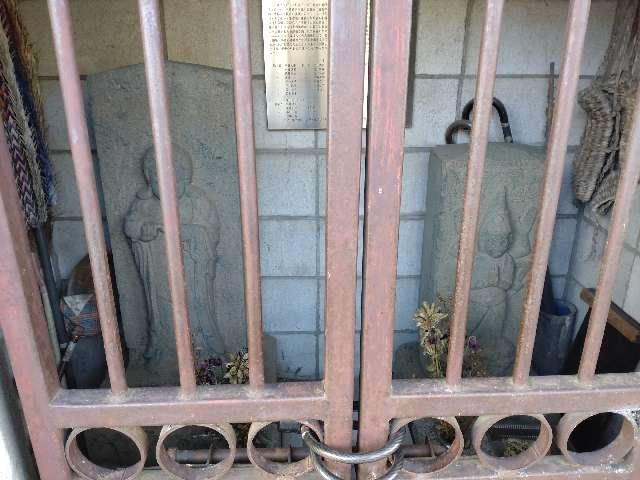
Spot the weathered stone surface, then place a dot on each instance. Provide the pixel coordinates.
(508, 211)
(203, 130)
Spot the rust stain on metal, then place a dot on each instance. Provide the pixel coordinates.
(87, 189)
(390, 38)
(473, 185)
(243, 99)
(552, 181)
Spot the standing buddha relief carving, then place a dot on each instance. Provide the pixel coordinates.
(200, 233)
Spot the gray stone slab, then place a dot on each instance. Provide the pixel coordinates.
(202, 120)
(507, 214)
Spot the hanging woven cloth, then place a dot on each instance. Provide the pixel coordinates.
(609, 104)
(21, 118)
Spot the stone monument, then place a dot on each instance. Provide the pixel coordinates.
(202, 121)
(508, 211)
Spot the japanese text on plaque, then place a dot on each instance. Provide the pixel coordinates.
(295, 57)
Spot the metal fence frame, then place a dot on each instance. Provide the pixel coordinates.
(50, 409)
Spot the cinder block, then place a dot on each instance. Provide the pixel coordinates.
(286, 184)
(563, 235)
(281, 139)
(410, 247)
(632, 236)
(587, 259)
(414, 182)
(533, 36)
(440, 36)
(525, 100)
(68, 204)
(632, 300)
(69, 246)
(588, 249)
(356, 365)
(199, 31)
(289, 304)
(400, 338)
(407, 301)
(573, 290)
(566, 203)
(434, 108)
(55, 121)
(297, 355)
(107, 34)
(288, 247)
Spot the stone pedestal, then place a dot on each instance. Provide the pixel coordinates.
(202, 122)
(508, 211)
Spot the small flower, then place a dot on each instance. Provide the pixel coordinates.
(472, 344)
(238, 368)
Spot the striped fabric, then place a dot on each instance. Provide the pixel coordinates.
(22, 139)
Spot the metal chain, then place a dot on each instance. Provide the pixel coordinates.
(392, 448)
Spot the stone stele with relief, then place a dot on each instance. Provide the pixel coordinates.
(508, 212)
(202, 120)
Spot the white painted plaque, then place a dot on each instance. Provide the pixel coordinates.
(296, 40)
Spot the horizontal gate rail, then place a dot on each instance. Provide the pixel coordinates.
(485, 396)
(167, 405)
(549, 468)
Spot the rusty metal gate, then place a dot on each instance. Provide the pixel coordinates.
(324, 407)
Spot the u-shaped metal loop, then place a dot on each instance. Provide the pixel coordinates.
(454, 127)
(502, 114)
(392, 448)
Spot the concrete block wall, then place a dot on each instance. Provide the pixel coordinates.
(291, 163)
(587, 253)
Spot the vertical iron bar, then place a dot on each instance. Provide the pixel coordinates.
(627, 185)
(83, 165)
(556, 152)
(24, 328)
(154, 61)
(389, 63)
(347, 24)
(473, 186)
(245, 145)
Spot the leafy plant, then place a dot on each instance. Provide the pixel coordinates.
(433, 322)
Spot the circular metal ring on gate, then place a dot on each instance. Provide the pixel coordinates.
(531, 455)
(611, 454)
(433, 464)
(294, 469)
(90, 471)
(184, 471)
